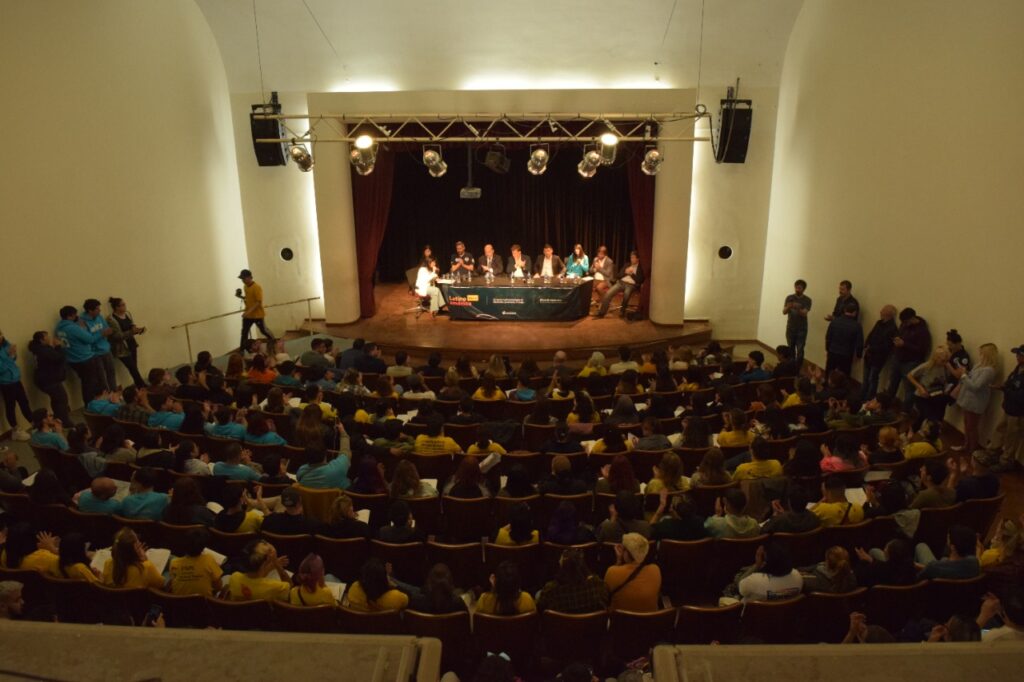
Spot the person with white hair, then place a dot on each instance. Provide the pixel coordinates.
(11, 602)
(595, 365)
(632, 584)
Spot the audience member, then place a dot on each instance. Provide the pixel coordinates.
(772, 577)
(624, 516)
(128, 565)
(438, 594)
(961, 562)
(343, 522)
(196, 572)
(934, 492)
(254, 582)
(401, 526)
(729, 521)
(505, 598)
(574, 588)
(633, 585)
(144, 502)
(520, 528)
(292, 521)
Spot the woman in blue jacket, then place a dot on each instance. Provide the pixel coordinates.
(12, 389)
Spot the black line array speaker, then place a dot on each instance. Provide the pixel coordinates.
(733, 133)
(267, 154)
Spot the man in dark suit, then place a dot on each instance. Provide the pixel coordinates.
(489, 262)
(630, 279)
(602, 268)
(548, 264)
(519, 265)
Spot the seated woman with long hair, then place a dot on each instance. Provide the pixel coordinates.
(489, 389)
(407, 483)
(374, 590)
(711, 470)
(574, 589)
(496, 367)
(310, 430)
(624, 412)
(735, 430)
(467, 482)
(128, 565)
(310, 588)
(520, 528)
(75, 561)
(464, 368)
(541, 414)
(259, 371)
(275, 403)
(369, 477)
(261, 432)
(628, 383)
(506, 597)
(438, 594)
(452, 390)
(611, 441)
(617, 476)
(695, 433)
(668, 475)
(583, 412)
(187, 506)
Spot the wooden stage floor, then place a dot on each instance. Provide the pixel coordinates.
(395, 329)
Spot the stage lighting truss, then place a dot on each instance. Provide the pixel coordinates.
(433, 161)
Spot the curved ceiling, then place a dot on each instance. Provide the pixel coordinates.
(332, 45)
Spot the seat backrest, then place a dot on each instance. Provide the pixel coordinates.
(295, 547)
(440, 467)
(707, 624)
(826, 618)
(70, 598)
(704, 496)
(54, 518)
(849, 536)
(732, 554)
(503, 505)
(16, 505)
(229, 544)
(634, 634)
(891, 606)
(175, 537)
(805, 548)
(467, 520)
(316, 502)
(551, 555)
(99, 529)
(979, 514)
(774, 622)
(119, 605)
(255, 614)
(406, 559)
(181, 610)
(370, 623)
(463, 434)
(465, 560)
(584, 503)
(686, 568)
(376, 503)
(934, 525)
(427, 512)
(949, 597)
(513, 635)
(691, 458)
(529, 559)
(320, 618)
(144, 528)
(569, 637)
(343, 558)
(451, 628)
(531, 462)
(536, 435)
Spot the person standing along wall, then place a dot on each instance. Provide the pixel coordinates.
(253, 313)
(12, 389)
(51, 370)
(95, 324)
(122, 341)
(796, 307)
(78, 348)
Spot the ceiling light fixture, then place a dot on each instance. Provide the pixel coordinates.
(587, 167)
(539, 157)
(609, 143)
(301, 156)
(433, 161)
(652, 161)
(363, 155)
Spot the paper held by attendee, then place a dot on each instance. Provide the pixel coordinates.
(157, 556)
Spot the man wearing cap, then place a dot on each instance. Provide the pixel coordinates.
(253, 313)
(1008, 437)
(632, 584)
(292, 521)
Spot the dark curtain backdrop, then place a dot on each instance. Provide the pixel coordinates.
(371, 205)
(641, 195)
(558, 207)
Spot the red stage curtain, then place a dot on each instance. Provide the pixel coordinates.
(371, 203)
(641, 199)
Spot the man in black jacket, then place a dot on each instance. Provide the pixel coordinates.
(878, 349)
(843, 340)
(631, 278)
(1008, 437)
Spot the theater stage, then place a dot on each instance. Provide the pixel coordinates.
(395, 329)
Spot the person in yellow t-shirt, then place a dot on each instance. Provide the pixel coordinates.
(255, 583)
(668, 475)
(1007, 544)
(27, 550)
(506, 597)
(595, 365)
(484, 445)
(761, 464)
(489, 390)
(434, 442)
(74, 561)
(834, 509)
(311, 589)
(520, 530)
(128, 565)
(197, 572)
(253, 313)
(735, 432)
(375, 591)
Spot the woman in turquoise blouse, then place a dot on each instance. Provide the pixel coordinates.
(578, 264)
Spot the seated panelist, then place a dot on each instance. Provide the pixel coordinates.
(577, 264)
(548, 264)
(462, 260)
(603, 270)
(519, 265)
(490, 262)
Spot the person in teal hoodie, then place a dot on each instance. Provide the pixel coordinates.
(49, 431)
(79, 352)
(288, 375)
(95, 323)
(225, 426)
(170, 416)
(12, 389)
(236, 464)
(106, 403)
(261, 432)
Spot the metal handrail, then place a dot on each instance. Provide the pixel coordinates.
(186, 325)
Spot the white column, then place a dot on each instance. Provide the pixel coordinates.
(671, 226)
(336, 230)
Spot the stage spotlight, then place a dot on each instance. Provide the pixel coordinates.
(497, 161)
(538, 162)
(301, 156)
(433, 161)
(652, 161)
(588, 166)
(363, 155)
(609, 143)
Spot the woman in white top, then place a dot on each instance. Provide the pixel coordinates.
(425, 287)
(975, 392)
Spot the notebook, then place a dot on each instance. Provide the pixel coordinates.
(157, 556)
(337, 589)
(363, 515)
(872, 476)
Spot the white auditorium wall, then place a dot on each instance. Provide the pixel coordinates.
(898, 166)
(119, 174)
(729, 207)
(280, 212)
